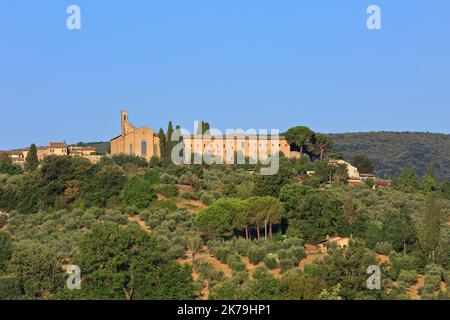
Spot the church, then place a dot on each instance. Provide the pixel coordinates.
(141, 142)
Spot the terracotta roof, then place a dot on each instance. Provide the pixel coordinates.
(57, 145)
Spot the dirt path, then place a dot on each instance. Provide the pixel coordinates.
(310, 259)
(413, 291)
(141, 223)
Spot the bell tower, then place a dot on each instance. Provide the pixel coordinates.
(124, 121)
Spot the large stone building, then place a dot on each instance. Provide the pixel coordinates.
(144, 142)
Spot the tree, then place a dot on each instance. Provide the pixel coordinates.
(271, 211)
(398, 229)
(195, 245)
(138, 192)
(5, 249)
(302, 137)
(323, 145)
(31, 161)
(407, 181)
(263, 286)
(430, 183)
(129, 263)
(242, 219)
(218, 219)
(170, 143)
(364, 164)
(318, 216)
(162, 143)
(39, 270)
(429, 226)
(4, 158)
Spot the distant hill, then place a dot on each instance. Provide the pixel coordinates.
(102, 147)
(392, 151)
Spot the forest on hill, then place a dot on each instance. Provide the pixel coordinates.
(392, 151)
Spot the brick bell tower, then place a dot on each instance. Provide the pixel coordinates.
(124, 121)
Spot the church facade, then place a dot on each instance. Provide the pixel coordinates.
(141, 142)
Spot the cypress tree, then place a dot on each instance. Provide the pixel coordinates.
(429, 228)
(31, 161)
(162, 143)
(430, 182)
(169, 143)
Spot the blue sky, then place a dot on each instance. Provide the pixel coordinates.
(237, 64)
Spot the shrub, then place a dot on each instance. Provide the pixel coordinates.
(138, 192)
(208, 272)
(3, 220)
(242, 246)
(168, 190)
(287, 264)
(271, 262)
(207, 199)
(408, 276)
(152, 176)
(256, 254)
(222, 253)
(292, 242)
(234, 261)
(168, 179)
(298, 253)
(383, 248)
(432, 283)
(9, 287)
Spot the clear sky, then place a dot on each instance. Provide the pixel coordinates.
(235, 63)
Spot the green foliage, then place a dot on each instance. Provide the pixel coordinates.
(138, 192)
(323, 144)
(11, 169)
(38, 269)
(408, 276)
(318, 215)
(271, 262)
(287, 263)
(256, 254)
(301, 137)
(364, 164)
(152, 176)
(9, 287)
(217, 220)
(264, 286)
(168, 190)
(235, 262)
(392, 151)
(128, 263)
(429, 228)
(5, 249)
(31, 161)
(407, 181)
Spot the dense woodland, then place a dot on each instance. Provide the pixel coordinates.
(392, 151)
(154, 230)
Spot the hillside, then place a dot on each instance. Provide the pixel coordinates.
(392, 151)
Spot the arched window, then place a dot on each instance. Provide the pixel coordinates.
(131, 148)
(144, 148)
